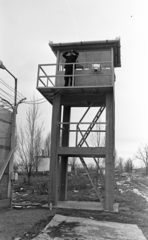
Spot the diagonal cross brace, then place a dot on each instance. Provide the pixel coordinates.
(87, 171)
(92, 156)
(91, 126)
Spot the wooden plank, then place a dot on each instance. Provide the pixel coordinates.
(55, 142)
(110, 147)
(64, 159)
(83, 151)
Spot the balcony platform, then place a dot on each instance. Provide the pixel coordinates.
(77, 96)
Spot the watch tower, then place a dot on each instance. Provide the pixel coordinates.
(93, 81)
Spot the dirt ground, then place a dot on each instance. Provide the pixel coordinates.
(23, 223)
(131, 193)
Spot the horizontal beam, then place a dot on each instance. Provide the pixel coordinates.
(81, 123)
(98, 131)
(82, 151)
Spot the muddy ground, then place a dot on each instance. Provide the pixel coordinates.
(27, 221)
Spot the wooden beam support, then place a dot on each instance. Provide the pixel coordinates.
(83, 151)
(64, 159)
(54, 160)
(110, 147)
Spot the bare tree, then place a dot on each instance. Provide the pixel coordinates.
(120, 165)
(38, 144)
(116, 159)
(97, 139)
(142, 155)
(47, 145)
(74, 163)
(29, 138)
(90, 166)
(128, 167)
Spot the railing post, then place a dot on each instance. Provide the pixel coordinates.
(57, 66)
(76, 134)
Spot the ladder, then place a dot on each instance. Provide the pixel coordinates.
(101, 173)
(84, 137)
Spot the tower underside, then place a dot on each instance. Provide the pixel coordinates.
(77, 96)
(64, 99)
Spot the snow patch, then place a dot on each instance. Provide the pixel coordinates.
(140, 194)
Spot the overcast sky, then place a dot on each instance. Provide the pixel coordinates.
(27, 26)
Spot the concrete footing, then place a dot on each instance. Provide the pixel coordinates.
(94, 206)
(64, 227)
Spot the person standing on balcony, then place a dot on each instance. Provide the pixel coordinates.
(71, 57)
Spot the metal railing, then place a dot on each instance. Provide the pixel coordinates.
(47, 79)
(82, 132)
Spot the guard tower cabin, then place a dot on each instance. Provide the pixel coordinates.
(93, 80)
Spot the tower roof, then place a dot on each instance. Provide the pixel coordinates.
(91, 45)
